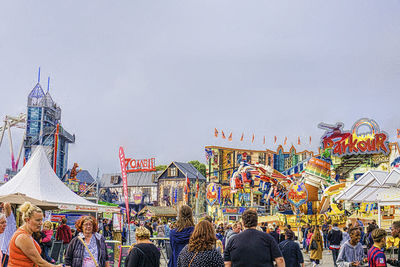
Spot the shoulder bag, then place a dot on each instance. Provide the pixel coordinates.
(88, 250)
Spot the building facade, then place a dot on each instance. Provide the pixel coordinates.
(142, 189)
(181, 184)
(43, 116)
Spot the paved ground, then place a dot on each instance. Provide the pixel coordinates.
(327, 259)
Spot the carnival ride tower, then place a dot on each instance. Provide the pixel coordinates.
(43, 127)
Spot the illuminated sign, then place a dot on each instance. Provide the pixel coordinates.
(140, 165)
(342, 143)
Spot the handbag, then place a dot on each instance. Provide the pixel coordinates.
(314, 245)
(88, 250)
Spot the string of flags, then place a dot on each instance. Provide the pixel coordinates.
(275, 139)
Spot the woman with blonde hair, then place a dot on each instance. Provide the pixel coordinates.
(24, 250)
(144, 253)
(316, 246)
(201, 248)
(180, 235)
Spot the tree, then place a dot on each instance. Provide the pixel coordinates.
(161, 167)
(199, 166)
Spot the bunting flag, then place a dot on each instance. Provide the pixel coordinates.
(176, 195)
(285, 142)
(230, 137)
(298, 140)
(215, 132)
(252, 139)
(223, 134)
(241, 138)
(310, 139)
(187, 183)
(197, 187)
(398, 133)
(264, 140)
(275, 139)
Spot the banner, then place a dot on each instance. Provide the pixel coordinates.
(124, 180)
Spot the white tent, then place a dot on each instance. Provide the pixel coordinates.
(365, 188)
(38, 180)
(374, 186)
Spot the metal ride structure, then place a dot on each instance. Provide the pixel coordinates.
(42, 126)
(18, 121)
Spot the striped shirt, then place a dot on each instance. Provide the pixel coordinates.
(376, 257)
(5, 237)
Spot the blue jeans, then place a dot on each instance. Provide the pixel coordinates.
(326, 243)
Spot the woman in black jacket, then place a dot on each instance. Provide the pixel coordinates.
(88, 239)
(144, 253)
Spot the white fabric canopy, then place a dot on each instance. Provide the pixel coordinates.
(365, 188)
(38, 180)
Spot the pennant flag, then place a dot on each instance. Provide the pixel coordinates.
(252, 139)
(241, 138)
(310, 139)
(275, 139)
(215, 132)
(197, 187)
(230, 137)
(223, 134)
(398, 133)
(298, 140)
(285, 142)
(264, 140)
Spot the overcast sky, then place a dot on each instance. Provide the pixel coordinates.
(157, 77)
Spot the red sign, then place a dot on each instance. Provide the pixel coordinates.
(140, 165)
(351, 142)
(124, 180)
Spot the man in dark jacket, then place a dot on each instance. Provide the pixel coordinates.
(64, 233)
(291, 251)
(395, 233)
(335, 238)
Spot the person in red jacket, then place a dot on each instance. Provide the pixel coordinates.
(64, 233)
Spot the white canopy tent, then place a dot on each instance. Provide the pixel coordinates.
(374, 186)
(38, 180)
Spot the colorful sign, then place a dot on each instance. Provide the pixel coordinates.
(137, 198)
(342, 143)
(124, 180)
(318, 167)
(212, 193)
(297, 194)
(140, 165)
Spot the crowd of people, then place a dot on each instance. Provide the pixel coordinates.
(244, 243)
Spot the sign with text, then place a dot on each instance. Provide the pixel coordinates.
(124, 180)
(140, 165)
(342, 143)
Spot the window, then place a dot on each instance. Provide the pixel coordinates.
(146, 191)
(180, 194)
(172, 172)
(166, 191)
(115, 179)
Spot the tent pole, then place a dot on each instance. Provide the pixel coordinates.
(379, 215)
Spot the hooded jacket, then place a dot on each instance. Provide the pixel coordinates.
(335, 238)
(349, 254)
(178, 241)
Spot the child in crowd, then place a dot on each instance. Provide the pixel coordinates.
(47, 234)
